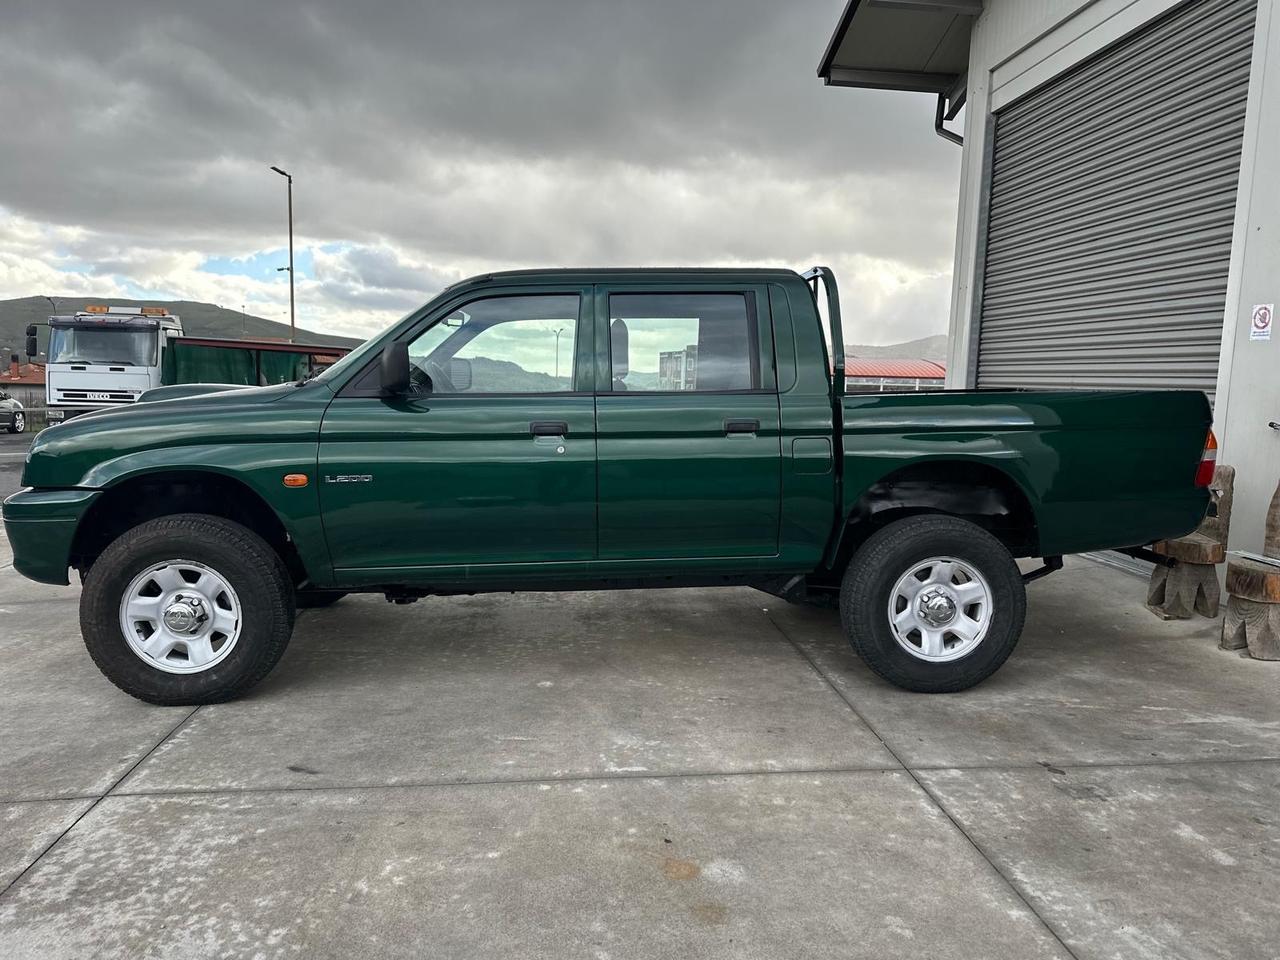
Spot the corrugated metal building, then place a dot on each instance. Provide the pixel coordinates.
(1119, 213)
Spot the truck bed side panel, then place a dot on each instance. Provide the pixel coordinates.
(1100, 469)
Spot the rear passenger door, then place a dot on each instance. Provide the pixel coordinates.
(687, 419)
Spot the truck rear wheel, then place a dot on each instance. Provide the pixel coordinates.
(933, 604)
(187, 609)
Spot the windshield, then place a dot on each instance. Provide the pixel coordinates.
(135, 348)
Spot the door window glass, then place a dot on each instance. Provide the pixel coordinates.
(500, 345)
(683, 341)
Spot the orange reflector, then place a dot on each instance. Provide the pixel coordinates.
(1208, 460)
(295, 480)
(95, 308)
(154, 312)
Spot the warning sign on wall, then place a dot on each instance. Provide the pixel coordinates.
(1261, 321)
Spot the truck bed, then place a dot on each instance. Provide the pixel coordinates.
(1085, 458)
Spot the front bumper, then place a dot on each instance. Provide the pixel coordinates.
(62, 414)
(41, 526)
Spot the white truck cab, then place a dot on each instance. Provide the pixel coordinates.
(105, 356)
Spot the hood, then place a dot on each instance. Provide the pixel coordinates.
(180, 391)
(200, 429)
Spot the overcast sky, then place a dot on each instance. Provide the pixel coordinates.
(431, 140)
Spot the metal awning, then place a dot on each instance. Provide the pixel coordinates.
(919, 45)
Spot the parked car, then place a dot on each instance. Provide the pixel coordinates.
(12, 414)
(566, 430)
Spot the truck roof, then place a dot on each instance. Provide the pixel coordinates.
(596, 274)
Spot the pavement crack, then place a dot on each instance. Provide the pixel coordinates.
(97, 800)
(933, 797)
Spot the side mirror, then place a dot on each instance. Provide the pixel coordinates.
(460, 374)
(32, 348)
(31, 330)
(394, 378)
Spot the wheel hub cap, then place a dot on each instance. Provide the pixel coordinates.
(184, 615)
(937, 609)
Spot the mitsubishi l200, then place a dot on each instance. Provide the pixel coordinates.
(589, 429)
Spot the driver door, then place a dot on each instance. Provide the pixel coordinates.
(489, 462)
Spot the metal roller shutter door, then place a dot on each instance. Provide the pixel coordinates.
(1113, 194)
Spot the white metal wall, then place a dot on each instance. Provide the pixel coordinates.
(1111, 208)
(1021, 45)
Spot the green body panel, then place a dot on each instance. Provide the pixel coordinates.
(1100, 469)
(254, 435)
(674, 484)
(457, 480)
(641, 485)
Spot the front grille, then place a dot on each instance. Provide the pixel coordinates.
(97, 396)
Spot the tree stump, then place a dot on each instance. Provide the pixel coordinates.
(1187, 583)
(1253, 609)
(1252, 624)
(1177, 592)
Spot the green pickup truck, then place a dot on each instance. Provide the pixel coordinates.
(593, 429)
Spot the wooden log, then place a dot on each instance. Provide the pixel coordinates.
(1253, 580)
(1233, 636)
(1182, 590)
(1257, 623)
(1193, 548)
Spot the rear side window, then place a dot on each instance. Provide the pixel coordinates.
(683, 342)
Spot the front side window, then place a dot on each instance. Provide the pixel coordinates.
(521, 344)
(683, 342)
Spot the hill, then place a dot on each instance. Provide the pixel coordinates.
(198, 320)
(926, 348)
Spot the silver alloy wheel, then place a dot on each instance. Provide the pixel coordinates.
(19, 421)
(940, 609)
(180, 616)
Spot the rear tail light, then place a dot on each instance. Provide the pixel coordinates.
(1204, 473)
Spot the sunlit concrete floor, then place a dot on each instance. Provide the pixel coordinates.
(685, 773)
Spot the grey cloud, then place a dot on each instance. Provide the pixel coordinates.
(530, 132)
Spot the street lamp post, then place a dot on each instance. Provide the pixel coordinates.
(558, 332)
(292, 326)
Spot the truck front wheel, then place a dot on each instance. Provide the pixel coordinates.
(187, 609)
(933, 604)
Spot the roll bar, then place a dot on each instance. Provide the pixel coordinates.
(812, 276)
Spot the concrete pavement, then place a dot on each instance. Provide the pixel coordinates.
(658, 774)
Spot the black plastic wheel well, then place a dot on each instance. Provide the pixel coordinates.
(139, 499)
(976, 492)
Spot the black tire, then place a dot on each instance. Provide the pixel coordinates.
(317, 599)
(18, 422)
(240, 557)
(891, 553)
